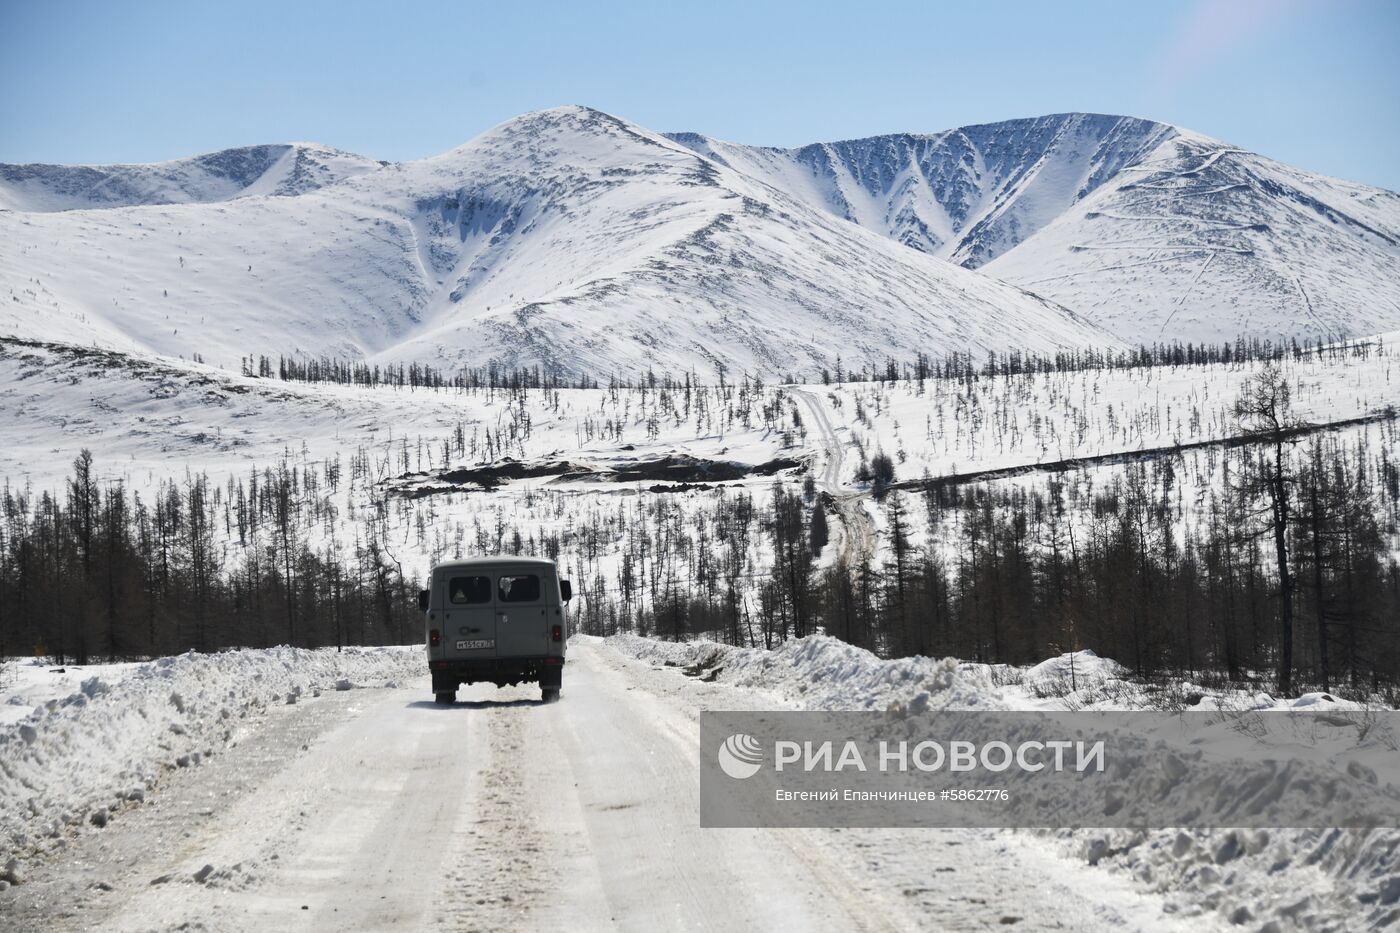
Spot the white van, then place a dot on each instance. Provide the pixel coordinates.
(496, 620)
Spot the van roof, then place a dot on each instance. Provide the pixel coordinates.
(496, 561)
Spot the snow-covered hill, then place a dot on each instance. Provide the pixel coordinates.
(284, 169)
(574, 240)
(567, 238)
(968, 194)
(1151, 231)
(1201, 241)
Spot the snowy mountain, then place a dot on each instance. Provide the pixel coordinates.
(566, 238)
(967, 194)
(1201, 241)
(286, 169)
(1151, 231)
(575, 240)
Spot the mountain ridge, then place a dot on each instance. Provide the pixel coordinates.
(1110, 229)
(948, 193)
(568, 238)
(269, 169)
(1150, 230)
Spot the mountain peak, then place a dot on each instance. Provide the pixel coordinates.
(569, 118)
(533, 147)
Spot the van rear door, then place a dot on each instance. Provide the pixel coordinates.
(469, 615)
(522, 626)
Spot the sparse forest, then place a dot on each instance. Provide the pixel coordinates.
(98, 572)
(1028, 573)
(1271, 560)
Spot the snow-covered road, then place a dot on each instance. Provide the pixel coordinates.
(857, 530)
(377, 810)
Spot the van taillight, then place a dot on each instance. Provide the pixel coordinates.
(558, 633)
(435, 639)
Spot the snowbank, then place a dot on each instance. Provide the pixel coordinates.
(820, 672)
(1270, 880)
(1074, 667)
(75, 759)
(28, 684)
(1082, 680)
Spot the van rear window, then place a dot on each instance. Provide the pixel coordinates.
(521, 589)
(468, 590)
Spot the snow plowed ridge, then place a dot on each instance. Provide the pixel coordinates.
(824, 673)
(76, 759)
(1276, 879)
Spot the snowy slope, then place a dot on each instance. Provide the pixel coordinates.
(1201, 241)
(567, 238)
(572, 239)
(1151, 231)
(152, 420)
(967, 194)
(285, 169)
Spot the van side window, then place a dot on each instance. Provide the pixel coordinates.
(521, 589)
(469, 590)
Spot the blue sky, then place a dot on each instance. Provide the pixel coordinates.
(1313, 83)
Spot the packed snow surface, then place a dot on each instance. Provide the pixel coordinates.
(125, 750)
(78, 756)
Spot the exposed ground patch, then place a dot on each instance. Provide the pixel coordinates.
(681, 469)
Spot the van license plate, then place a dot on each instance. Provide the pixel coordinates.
(468, 645)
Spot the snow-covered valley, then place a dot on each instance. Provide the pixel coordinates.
(94, 757)
(913, 421)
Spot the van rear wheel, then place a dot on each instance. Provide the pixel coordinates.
(445, 698)
(549, 694)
